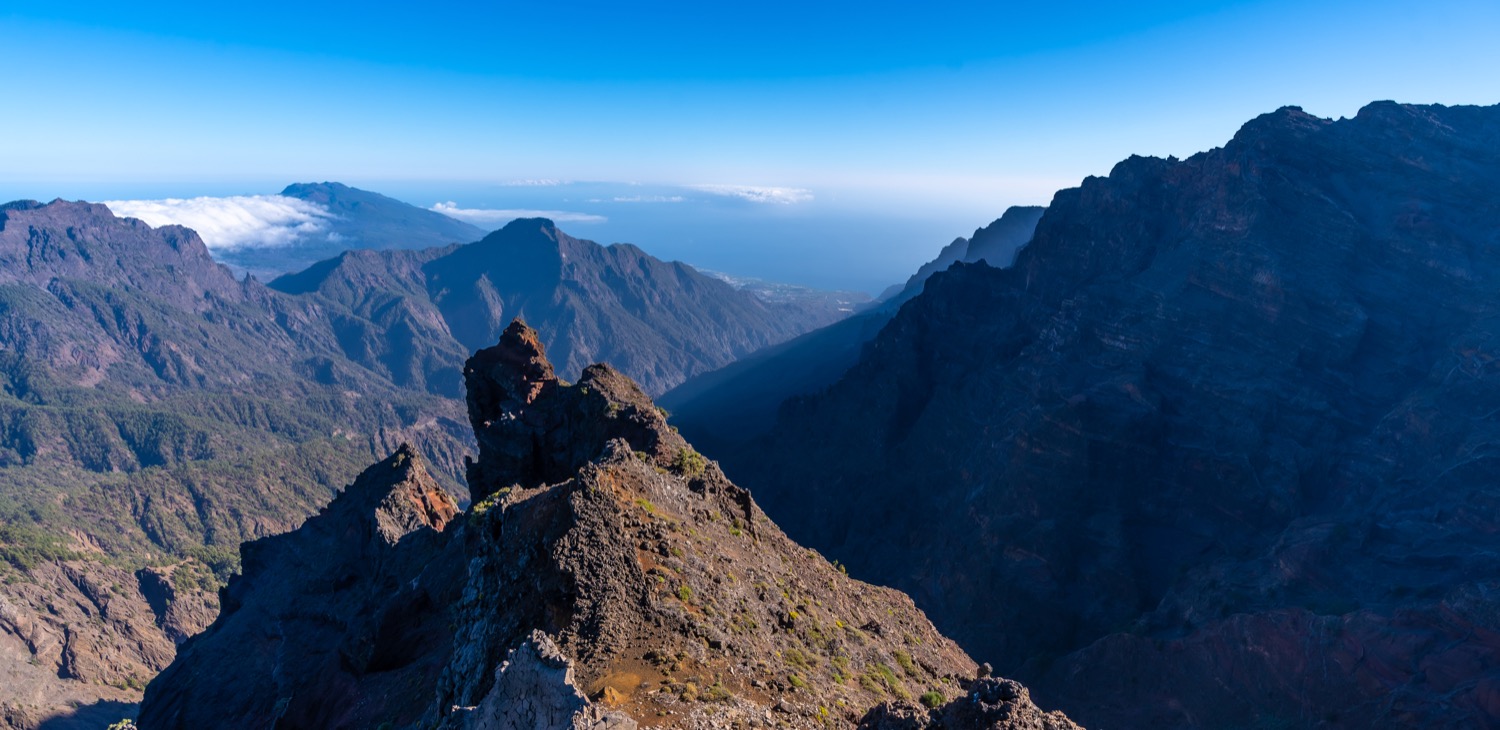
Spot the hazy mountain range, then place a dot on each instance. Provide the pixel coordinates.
(159, 410)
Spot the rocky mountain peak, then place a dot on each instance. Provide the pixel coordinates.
(606, 575)
(407, 499)
(534, 429)
(529, 232)
(545, 225)
(1282, 124)
(86, 242)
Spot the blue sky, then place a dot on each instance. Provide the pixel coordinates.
(907, 124)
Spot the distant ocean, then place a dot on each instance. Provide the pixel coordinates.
(808, 237)
(817, 238)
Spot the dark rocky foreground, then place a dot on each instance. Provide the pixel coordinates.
(1220, 450)
(606, 576)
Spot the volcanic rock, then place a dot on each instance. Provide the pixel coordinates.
(607, 575)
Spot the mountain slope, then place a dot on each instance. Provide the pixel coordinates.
(366, 220)
(156, 412)
(724, 409)
(659, 322)
(1216, 451)
(607, 576)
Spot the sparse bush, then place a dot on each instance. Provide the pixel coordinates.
(689, 462)
(933, 699)
(905, 662)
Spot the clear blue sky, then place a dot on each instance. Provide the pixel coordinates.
(940, 112)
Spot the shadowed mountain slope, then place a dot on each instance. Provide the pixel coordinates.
(725, 409)
(156, 413)
(1217, 451)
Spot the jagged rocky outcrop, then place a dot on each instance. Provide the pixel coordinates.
(989, 703)
(1217, 451)
(606, 576)
(325, 628)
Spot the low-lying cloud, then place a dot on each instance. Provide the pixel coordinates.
(545, 182)
(235, 222)
(493, 217)
(758, 194)
(648, 199)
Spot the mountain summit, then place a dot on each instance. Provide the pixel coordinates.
(606, 576)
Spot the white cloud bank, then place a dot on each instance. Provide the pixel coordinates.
(491, 217)
(758, 194)
(648, 199)
(545, 182)
(236, 222)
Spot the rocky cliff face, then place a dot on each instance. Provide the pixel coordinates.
(606, 576)
(995, 244)
(1215, 452)
(319, 610)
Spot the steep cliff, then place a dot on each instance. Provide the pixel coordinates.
(1217, 451)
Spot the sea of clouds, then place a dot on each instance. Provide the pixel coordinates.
(236, 222)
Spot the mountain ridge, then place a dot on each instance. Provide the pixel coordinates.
(156, 411)
(659, 321)
(606, 577)
(1222, 424)
(349, 219)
